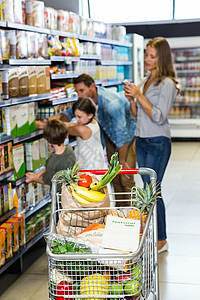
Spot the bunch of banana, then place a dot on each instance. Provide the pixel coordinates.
(85, 196)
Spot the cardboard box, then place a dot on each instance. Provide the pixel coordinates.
(2, 248)
(21, 232)
(2, 122)
(18, 162)
(5, 198)
(32, 155)
(22, 119)
(42, 152)
(31, 116)
(7, 228)
(15, 233)
(7, 154)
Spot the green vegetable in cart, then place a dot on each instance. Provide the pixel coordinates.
(136, 271)
(64, 289)
(116, 288)
(132, 287)
(113, 170)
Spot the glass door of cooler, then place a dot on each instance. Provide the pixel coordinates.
(185, 112)
(138, 58)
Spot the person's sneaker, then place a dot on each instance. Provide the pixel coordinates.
(163, 249)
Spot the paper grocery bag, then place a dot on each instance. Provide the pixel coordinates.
(74, 221)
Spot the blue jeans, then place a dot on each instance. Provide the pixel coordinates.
(154, 153)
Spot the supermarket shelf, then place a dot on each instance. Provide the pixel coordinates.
(22, 138)
(110, 83)
(66, 59)
(6, 175)
(63, 100)
(190, 89)
(186, 104)
(64, 76)
(28, 62)
(115, 63)
(18, 181)
(63, 33)
(41, 204)
(5, 139)
(15, 101)
(23, 250)
(2, 24)
(27, 27)
(8, 215)
(182, 59)
(188, 71)
(90, 56)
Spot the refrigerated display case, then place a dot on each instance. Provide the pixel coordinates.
(185, 113)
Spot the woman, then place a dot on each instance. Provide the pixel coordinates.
(153, 102)
(88, 150)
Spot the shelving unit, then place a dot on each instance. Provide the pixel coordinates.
(68, 76)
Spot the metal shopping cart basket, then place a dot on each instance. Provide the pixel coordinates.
(85, 272)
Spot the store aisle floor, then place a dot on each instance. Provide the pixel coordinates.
(179, 268)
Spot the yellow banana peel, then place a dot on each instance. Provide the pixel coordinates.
(89, 195)
(78, 198)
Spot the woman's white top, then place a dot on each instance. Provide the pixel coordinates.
(90, 152)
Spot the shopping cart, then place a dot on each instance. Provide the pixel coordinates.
(83, 273)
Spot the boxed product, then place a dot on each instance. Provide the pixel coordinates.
(42, 50)
(10, 197)
(31, 116)
(6, 162)
(28, 12)
(41, 80)
(29, 231)
(32, 155)
(15, 233)
(32, 79)
(63, 20)
(19, 198)
(11, 120)
(21, 224)
(13, 83)
(12, 41)
(1, 87)
(18, 18)
(2, 122)
(5, 44)
(31, 44)
(30, 196)
(4, 79)
(18, 162)
(1, 201)
(5, 198)
(42, 151)
(22, 119)
(1, 159)
(7, 229)
(2, 248)
(23, 82)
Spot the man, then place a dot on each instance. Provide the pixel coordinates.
(117, 127)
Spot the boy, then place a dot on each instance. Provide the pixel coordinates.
(55, 132)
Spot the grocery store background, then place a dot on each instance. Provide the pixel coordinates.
(179, 22)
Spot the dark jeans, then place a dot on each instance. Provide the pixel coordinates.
(154, 153)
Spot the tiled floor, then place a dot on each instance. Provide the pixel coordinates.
(179, 268)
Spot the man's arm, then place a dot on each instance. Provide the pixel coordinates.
(35, 177)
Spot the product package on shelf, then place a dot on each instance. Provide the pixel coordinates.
(21, 45)
(32, 150)
(7, 231)
(15, 233)
(6, 160)
(23, 82)
(32, 78)
(18, 162)
(30, 195)
(31, 116)
(11, 120)
(4, 202)
(21, 222)
(38, 14)
(2, 122)
(22, 119)
(7, 12)
(63, 20)
(42, 146)
(2, 248)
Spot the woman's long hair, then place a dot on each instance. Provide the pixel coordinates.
(165, 66)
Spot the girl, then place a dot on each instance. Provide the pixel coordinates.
(88, 150)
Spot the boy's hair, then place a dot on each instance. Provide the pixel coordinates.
(85, 78)
(55, 132)
(84, 104)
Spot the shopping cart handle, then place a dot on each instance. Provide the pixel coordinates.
(102, 172)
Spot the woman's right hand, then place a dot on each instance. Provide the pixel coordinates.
(131, 91)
